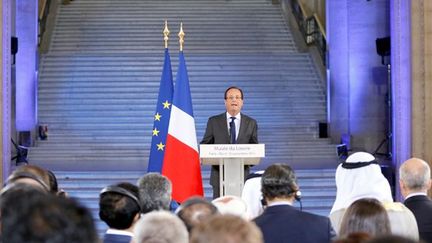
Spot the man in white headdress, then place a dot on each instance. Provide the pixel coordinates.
(360, 177)
(252, 195)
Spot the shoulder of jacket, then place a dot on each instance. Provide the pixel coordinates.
(246, 117)
(219, 116)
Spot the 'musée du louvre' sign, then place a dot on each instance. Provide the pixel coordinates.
(232, 150)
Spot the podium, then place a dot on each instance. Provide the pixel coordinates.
(231, 159)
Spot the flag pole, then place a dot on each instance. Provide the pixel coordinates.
(166, 33)
(181, 35)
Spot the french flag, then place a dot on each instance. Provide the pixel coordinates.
(181, 161)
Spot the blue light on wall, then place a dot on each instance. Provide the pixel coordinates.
(26, 59)
(401, 82)
(357, 90)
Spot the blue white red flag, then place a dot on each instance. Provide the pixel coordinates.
(181, 163)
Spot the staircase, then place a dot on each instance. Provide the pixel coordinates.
(98, 88)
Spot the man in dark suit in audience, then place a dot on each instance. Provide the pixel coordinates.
(230, 127)
(415, 181)
(280, 221)
(119, 208)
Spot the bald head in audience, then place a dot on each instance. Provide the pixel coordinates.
(415, 176)
(160, 227)
(227, 229)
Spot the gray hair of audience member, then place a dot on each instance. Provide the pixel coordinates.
(195, 210)
(154, 192)
(365, 215)
(31, 215)
(160, 227)
(415, 173)
(228, 229)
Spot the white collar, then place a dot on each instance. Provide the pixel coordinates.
(119, 232)
(238, 116)
(415, 194)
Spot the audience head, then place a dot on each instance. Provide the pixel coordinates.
(414, 176)
(228, 229)
(30, 174)
(194, 211)
(30, 215)
(279, 182)
(154, 192)
(160, 227)
(365, 215)
(231, 205)
(119, 206)
(360, 177)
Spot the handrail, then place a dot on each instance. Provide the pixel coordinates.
(302, 9)
(315, 36)
(42, 6)
(321, 28)
(42, 18)
(311, 28)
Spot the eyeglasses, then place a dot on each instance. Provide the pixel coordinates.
(234, 98)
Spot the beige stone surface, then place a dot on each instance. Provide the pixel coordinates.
(421, 29)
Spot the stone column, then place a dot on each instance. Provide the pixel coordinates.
(400, 19)
(338, 69)
(358, 79)
(421, 74)
(26, 63)
(5, 91)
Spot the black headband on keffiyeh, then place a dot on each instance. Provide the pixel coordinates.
(356, 165)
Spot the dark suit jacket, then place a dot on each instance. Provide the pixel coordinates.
(113, 238)
(217, 133)
(284, 223)
(421, 206)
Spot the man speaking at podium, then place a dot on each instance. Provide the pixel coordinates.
(230, 127)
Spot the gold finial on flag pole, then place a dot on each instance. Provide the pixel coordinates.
(166, 33)
(181, 35)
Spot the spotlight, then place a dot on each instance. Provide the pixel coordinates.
(383, 47)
